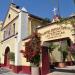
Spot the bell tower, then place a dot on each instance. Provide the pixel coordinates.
(56, 16)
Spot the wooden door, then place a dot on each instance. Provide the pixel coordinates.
(6, 57)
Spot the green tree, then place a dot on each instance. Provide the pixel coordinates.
(32, 49)
(12, 56)
(64, 53)
(51, 48)
(63, 49)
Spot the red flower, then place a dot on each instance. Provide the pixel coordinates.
(32, 47)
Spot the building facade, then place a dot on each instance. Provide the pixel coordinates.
(58, 40)
(18, 24)
(58, 44)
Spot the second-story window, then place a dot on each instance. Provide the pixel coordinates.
(9, 16)
(9, 30)
(4, 36)
(33, 29)
(14, 28)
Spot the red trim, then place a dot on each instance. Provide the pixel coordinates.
(0, 65)
(45, 61)
(27, 69)
(19, 69)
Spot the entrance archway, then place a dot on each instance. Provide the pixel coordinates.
(6, 57)
(49, 62)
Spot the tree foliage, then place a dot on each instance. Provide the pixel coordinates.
(12, 56)
(32, 49)
(63, 50)
(52, 47)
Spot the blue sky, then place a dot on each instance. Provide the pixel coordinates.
(42, 8)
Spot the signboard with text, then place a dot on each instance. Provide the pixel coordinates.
(54, 32)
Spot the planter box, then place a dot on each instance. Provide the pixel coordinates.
(61, 65)
(34, 70)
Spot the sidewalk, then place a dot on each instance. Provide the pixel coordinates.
(61, 73)
(5, 71)
(69, 70)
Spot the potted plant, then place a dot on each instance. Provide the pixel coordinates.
(12, 59)
(32, 53)
(64, 54)
(51, 48)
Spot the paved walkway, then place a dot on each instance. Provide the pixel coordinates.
(5, 71)
(69, 70)
(61, 73)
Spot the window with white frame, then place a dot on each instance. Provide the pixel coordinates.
(4, 34)
(9, 31)
(14, 28)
